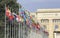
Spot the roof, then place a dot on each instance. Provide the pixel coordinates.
(48, 10)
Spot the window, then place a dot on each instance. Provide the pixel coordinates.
(56, 20)
(56, 27)
(44, 20)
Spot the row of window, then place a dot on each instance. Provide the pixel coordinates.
(47, 20)
(55, 27)
(44, 20)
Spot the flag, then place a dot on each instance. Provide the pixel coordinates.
(33, 25)
(22, 20)
(18, 18)
(27, 13)
(11, 17)
(8, 12)
(32, 19)
(15, 15)
(22, 13)
(38, 26)
(27, 21)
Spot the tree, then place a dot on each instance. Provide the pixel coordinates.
(14, 7)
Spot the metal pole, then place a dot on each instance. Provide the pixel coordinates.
(14, 29)
(19, 25)
(5, 21)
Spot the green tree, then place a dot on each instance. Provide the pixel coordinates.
(14, 7)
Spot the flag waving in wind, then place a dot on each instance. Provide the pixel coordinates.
(22, 13)
(9, 14)
(17, 17)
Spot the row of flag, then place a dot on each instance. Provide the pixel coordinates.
(22, 17)
(12, 16)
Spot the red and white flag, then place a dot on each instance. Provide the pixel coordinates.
(8, 12)
(18, 18)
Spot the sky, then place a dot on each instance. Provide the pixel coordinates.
(33, 5)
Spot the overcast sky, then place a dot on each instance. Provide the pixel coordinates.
(33, 5)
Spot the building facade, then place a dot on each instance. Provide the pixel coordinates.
(50, 20)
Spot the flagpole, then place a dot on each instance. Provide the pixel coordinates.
(19, 25)
(5, 21)
(12, 25)
(9, 28)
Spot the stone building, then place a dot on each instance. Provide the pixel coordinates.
(49, 19)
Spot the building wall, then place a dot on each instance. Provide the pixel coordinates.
(50, 18)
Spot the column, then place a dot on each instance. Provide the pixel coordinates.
(51, 28)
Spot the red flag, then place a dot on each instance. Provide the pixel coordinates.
(8, 12)
(11, 17)
(38, 26)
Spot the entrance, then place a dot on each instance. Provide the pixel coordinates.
(56, 34)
